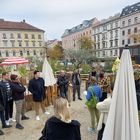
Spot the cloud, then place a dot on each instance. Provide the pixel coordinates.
(54, 16)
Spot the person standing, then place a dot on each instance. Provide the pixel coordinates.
(76, 83)
(103, 108)
(18, 96)
(37, 88)
(5, 82)
(95, 90)
(2, 109)
(63, 84)
(61, 126)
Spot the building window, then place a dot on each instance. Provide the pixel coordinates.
(19, 35)
(11, 35)
(14, 53)
(33, 36)
(20, 43)
(135, 30)
(12, 43)
(116, 24)
(4, 36)
(111, 53)
(39, 36)
(129, 21)
(123, 23)
(111, 43)
(123, 32)
(27, 43)
(123, 42)
(98, 54)
(103, 44)
(7, 54)
(99, 45)
(135, 19)
(98, 37)
(103, 53)
(28, 53)
(4, 43)
(116, 52)
(116, 42)
(129, 31)
(135, 40)
(40, 43)
(21, 53)
(34, 52)
(33, 43)
(104, 28)
(128, 41)
(116, 33)
(111, 34)
(41, 53)
(26, 36)
(111, 25)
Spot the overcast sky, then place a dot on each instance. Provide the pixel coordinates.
(54, 16)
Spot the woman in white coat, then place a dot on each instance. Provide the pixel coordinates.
(103, 108)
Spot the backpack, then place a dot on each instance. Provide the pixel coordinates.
(93, 101)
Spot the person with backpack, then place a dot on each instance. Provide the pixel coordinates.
(94, 93)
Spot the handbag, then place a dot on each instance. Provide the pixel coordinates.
(93, 101)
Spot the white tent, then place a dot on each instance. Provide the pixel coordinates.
(47, 74)
(122, 123)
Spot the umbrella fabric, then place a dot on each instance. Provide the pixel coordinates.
(122, 123)
(47, 74)
(14, 60)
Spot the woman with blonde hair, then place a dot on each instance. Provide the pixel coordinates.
(60, 126)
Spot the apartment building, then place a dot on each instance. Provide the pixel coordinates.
(71, 36)
(106, 35)
(20, 39)
(130, 29)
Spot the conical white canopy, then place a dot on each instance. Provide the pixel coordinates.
(47, 74)
(122, 123)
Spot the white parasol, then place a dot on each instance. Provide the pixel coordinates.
(122, 123)
(47, 74)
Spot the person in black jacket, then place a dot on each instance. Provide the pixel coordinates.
(2, 109)
(60, 126)
(8, 97)
(37, 88)
(63, 84)
(18, 96)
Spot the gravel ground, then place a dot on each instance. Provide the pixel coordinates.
(32, 128)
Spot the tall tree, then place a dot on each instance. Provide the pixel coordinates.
(56, 53)
(85, 42)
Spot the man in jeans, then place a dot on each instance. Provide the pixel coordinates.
(37, 88)
(18, 96)
(5, 82)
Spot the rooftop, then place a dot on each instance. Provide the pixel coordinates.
(10, 25)
(130, 9)
(85, 24)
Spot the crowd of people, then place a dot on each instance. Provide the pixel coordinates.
(98, 85)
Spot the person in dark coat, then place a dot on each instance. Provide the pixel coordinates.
(37, 88)
(2, 104)
(8, 97)
(63, 84)
(18, 96)
(60, 126)
(76, 83)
